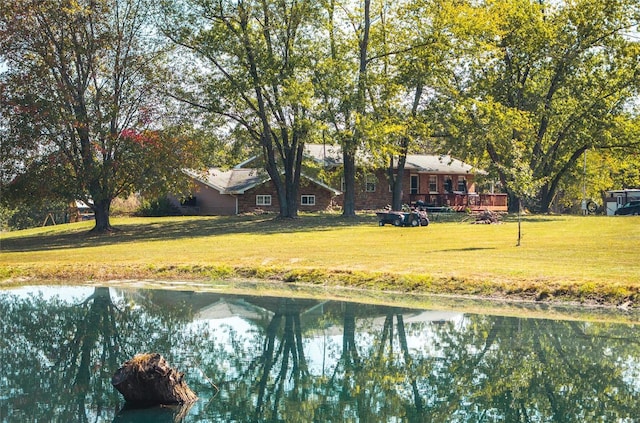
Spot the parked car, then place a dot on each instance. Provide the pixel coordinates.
(632, 207)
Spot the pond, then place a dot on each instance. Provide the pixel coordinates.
(260, 358)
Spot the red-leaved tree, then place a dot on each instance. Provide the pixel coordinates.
(78, 98)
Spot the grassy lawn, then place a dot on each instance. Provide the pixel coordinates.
(572, 258)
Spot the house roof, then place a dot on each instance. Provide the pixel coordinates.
(230, 307)
(327, 155)
(331, 156)
(231, 181)
(239, 180)
(436, 164)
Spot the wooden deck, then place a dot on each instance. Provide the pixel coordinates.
(459, 201)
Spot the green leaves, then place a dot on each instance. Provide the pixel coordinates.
(560, 75)
(494, 82)
(255, 76)
(78, 73)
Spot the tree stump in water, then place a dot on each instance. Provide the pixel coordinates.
(148, 379)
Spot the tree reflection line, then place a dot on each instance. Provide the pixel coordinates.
(480, 368)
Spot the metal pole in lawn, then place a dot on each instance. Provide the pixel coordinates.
(519, 213)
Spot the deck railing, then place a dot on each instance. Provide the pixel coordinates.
(460, 200)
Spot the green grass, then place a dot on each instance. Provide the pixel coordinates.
(583, 259)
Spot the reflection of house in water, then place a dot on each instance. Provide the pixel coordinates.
(227, 307)
(314, 313)
(259, 310)
(431, 316)
(169, 299)
(374, 316)
(324, 322)
(271, 345)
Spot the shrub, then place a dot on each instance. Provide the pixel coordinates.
(159, 207)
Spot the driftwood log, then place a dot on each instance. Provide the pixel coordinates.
(148, 379)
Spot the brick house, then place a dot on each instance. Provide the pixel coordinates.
(243, 190)
(439, 181)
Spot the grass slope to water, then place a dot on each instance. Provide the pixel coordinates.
(564, 258)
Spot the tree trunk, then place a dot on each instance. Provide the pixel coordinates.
(512, 202)
(396, 201)
(396, 189)
(349, 202)
(292, 199)
(147, 379)
(546, 198)
(350, 147)
(274, 173)
(102, 211)
(287, 191)
(283, 199)
(287, 184)
(402, 155)
(293, 169)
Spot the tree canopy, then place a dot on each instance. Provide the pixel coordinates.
(554, 80)
(79, 96)
(253, 71)
(521, 88)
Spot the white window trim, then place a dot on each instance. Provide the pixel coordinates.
(436, 184)
(414, 177)
(461, 182)
(370, 180)
(263, 200)
(308, 197)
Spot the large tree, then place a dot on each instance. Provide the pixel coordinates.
(341, 81)
(414, 50)
(380, 76)
(252, 71)
(78, 95)
(551, 80)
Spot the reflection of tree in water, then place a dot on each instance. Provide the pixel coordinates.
(371, 377)
(262, 373)
(368, 366)
(522, 370)
(94, 347)
(62, 343)
(290, 355)
(484, 368)
(475, 368)
(52, 349)
(378, 363)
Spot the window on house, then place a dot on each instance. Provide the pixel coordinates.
(371, 182)
(433, 183)
(414, 189)
(263, 200)
(462, 184)
(448, 184)
(308, 200)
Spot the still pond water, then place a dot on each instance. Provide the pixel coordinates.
(299, 360)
